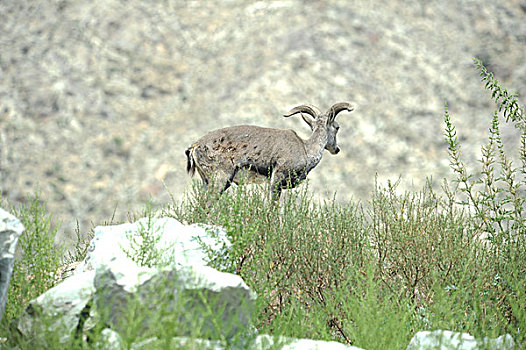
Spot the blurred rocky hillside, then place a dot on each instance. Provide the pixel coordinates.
(99, 99)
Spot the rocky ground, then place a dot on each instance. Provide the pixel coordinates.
(98, 100)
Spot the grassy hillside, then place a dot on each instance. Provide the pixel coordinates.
(368, 274)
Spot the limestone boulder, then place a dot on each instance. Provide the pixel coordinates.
(268, 342)
(116, 278)
(175, 243)
(196, 298)
(261, 342)
(448, 340)
(10, 230)
(61, 309)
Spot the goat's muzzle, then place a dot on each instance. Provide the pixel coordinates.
(334, 151)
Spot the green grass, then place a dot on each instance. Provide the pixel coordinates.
(367, 274)
(38, 258)
(371, 276)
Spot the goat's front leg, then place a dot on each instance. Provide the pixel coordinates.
(275, 185)
(275, 193)
(229, 179)
(219, 181)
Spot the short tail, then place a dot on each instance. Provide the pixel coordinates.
(190, 161)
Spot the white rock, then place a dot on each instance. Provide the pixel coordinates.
(178, 243)
(206, 293)
(108, 276)
(448, 340)
(125, 273)
(61, 307)
(261, 342)
(110, 340)
(10, 230)
(267, 342)
(179, 343)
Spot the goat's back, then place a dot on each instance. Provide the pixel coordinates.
(251, 139)
(245, 145)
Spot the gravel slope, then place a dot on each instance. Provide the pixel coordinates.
(98, 100)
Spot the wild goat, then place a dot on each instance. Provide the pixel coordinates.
(278, 154)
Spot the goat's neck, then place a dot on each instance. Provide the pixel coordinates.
(314, 146)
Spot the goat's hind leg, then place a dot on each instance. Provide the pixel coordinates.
(204, 179)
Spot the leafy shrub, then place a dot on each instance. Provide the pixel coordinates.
(38, 258)
(495, 198)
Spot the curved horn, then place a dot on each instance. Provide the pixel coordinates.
(337, 108)
(309, 109)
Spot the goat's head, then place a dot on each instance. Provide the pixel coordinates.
(316, 119)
